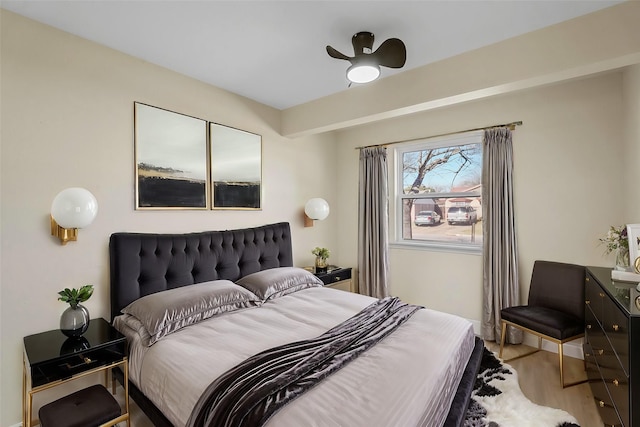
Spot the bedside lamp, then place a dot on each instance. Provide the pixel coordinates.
(72, 209)
(315, 209)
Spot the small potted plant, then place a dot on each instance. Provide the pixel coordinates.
(322, 254)
(74, 321)
(617, 241)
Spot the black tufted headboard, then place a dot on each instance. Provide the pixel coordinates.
(141, 264)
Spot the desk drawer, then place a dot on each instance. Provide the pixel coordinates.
(603, 400)
(618, 387)
(594, 297)
(616, 326)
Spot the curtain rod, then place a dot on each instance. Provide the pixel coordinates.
(511, 126)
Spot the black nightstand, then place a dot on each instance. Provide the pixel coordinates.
(337, 277)
(51, 358)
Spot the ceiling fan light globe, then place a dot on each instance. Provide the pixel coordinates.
(363, 73)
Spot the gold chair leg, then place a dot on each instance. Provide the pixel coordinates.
(502, 338)
(561, 356)
(561, 364)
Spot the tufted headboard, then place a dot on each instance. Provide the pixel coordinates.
(141, 263)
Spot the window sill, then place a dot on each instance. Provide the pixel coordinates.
(436, 247)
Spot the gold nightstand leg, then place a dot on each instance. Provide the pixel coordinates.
(29, 403)
(126, 390)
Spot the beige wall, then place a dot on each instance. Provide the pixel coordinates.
(67, 120)
(567, 185)
(631, 163)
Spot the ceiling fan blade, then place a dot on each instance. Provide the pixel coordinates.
(335, 54)
(362, 42)
(391, 53)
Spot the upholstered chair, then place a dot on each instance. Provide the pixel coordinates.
(555, 310)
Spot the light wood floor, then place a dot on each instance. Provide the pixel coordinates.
(539, 380)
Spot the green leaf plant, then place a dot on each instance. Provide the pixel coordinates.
(75, 296)
(321, 253)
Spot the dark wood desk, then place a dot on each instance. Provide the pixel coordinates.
(612, 346)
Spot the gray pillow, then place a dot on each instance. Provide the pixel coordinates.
(165, 312)
(276, 282)
(132, 328)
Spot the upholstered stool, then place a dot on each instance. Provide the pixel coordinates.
(89, 407)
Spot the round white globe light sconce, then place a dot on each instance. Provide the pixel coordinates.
(72, 209)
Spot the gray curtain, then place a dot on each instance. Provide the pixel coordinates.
(500, 263)
(373, 223)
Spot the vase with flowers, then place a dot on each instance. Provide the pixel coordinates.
(322, 254)
(74, 321)
(616, 241)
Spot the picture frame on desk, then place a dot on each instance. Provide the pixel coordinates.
(633, 234)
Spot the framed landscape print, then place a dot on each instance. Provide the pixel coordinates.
(171, 160)
(236, 168)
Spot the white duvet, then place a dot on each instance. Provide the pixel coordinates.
(408, 379)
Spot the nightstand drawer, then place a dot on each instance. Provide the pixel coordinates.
(335, 276)
(66, 367)
(338, 278)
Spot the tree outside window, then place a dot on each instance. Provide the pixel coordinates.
(439, 191)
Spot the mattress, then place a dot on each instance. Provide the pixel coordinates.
(408, 379)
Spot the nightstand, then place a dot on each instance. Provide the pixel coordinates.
(51, 358)
(337, 278)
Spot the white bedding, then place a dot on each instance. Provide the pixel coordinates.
(408, 379)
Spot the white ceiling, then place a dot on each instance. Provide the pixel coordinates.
(274, 51)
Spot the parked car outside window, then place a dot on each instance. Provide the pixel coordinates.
(434, 174)
(462, 215)
(427, 218)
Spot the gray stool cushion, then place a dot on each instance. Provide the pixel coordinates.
(88, 407)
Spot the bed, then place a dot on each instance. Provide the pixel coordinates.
(421, 373)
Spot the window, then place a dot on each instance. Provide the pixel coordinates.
(439, 192)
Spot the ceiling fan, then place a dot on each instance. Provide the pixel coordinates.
(365, 64)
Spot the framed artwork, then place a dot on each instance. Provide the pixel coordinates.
(171, 159)
(633, 233)
(236, 168)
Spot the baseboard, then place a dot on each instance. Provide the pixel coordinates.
(571, 349)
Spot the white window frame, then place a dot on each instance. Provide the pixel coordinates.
(474, 137)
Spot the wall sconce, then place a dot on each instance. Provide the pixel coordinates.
(72, 209)
(315, 209)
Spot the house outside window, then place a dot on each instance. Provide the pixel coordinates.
(439, 193)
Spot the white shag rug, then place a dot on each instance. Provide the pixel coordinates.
(497, 401)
